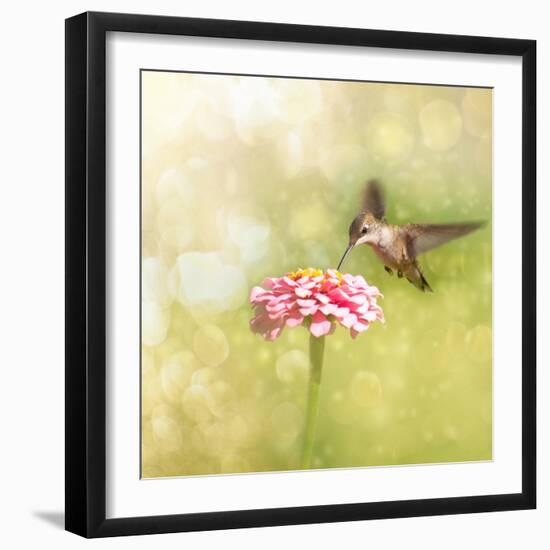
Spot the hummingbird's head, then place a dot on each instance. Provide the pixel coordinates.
(363, 229)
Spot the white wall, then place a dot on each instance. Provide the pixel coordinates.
(31, 273)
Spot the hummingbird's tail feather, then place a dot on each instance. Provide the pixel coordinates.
(426, 285)
(416, 277)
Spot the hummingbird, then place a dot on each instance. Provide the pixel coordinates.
(398, 246)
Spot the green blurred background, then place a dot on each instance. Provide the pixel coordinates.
(248, 177)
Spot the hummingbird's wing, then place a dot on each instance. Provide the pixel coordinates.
(423, 237)
(373, 199)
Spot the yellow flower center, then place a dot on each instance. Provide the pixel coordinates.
(310, 272)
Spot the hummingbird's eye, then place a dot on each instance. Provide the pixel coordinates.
(364, 229)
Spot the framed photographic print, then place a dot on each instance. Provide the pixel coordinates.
(300, 274)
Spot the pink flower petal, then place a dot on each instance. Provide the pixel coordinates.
(289, 282)
(277, 314)
(323, 298)
(281, 297)
(309, 285)
(273, 334)
(338, 295)
(302, 292)
(370, 316)
(329, 309)
(361, 310)
(274, 307)
(294, 320)
(349, 320)
(320, 325)
(308, 310)
(342, 312)
(360, 327)
(268, 282)
(265, 298)
(260, 324)
(255, 292)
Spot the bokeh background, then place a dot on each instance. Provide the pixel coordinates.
(248, 177)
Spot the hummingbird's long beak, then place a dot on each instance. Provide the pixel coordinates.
(348, 250)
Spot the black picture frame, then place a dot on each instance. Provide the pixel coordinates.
(86, 274)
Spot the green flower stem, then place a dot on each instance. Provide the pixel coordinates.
(316, 351)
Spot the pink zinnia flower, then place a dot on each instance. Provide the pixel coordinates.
(317, 299)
